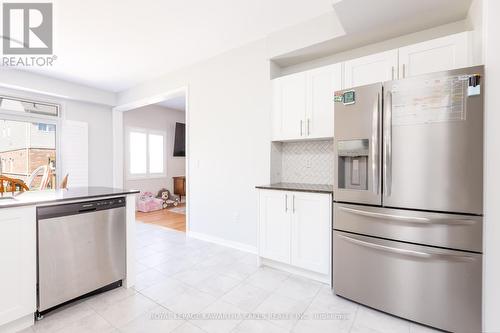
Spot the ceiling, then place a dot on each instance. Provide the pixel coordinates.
(117, 44)
(176, 103)
(367, 22)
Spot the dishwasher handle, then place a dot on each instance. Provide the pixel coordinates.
(87, 210)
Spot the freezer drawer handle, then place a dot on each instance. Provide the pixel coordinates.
(409, 219)
(410, 253)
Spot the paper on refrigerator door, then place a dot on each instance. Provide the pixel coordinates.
(423, 101)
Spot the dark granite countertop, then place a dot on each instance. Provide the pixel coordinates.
(316, 188)
(52, 196)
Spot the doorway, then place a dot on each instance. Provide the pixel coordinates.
(154, 159)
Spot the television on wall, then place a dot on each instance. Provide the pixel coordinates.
(180, 139)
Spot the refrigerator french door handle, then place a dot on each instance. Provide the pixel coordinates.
(387, 165)
(375, 146)
(409, 253)
(409, 219)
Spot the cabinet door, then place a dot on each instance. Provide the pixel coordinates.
(321, 86)
(293, 105)
(311, 231)
(374, 68)
(274, 225)
(440, 54)
(18, 258)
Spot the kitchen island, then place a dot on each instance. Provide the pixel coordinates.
(18, 246)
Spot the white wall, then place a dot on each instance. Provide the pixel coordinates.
(228, 121)
(491, 229)
(158, 118)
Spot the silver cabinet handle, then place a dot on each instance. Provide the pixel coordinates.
(375, 155)
(293, 203)
(392, 72)
(410, 253)
(387, 164)
(308, 126)
(404, 70)
(286, 203)
(301, 128)
(409, 219)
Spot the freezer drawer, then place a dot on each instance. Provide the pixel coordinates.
(462, 232)
(439, 288)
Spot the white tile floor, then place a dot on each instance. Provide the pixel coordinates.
(199, 280)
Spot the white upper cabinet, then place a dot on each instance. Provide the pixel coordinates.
(374, 68)
(303, 103)
(321, 85)
(290, 104)
(435, 55)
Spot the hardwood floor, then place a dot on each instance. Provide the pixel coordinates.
(164, 218)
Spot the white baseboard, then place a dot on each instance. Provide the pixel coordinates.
(323, 278)
(223, 242)
(19, 324)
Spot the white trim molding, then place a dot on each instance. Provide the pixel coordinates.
(223, 242)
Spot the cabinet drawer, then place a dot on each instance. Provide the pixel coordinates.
(454, 231)
(436, 287)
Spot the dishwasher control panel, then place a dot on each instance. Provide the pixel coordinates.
(83, 207)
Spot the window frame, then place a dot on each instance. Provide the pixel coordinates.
(6, 114)
(148, 174)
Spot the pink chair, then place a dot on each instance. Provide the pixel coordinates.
(146, 202)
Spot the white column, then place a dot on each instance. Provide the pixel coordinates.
(130, 241)
(117, 149)
(491, 238)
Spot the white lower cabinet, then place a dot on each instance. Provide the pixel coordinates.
(275, 226)
(295, 229)
(18, 263)
(310, 236)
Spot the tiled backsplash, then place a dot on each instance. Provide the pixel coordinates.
(302, 162)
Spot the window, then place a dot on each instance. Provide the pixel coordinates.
(146, 153)
(156, 153)
(13, 104)
(28, 141)
(28, 152)
(138, 157)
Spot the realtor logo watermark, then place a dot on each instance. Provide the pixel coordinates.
(27, 30)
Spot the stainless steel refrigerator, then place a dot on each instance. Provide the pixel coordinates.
(408, 208)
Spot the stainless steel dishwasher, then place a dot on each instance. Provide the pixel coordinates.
(81, 249)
